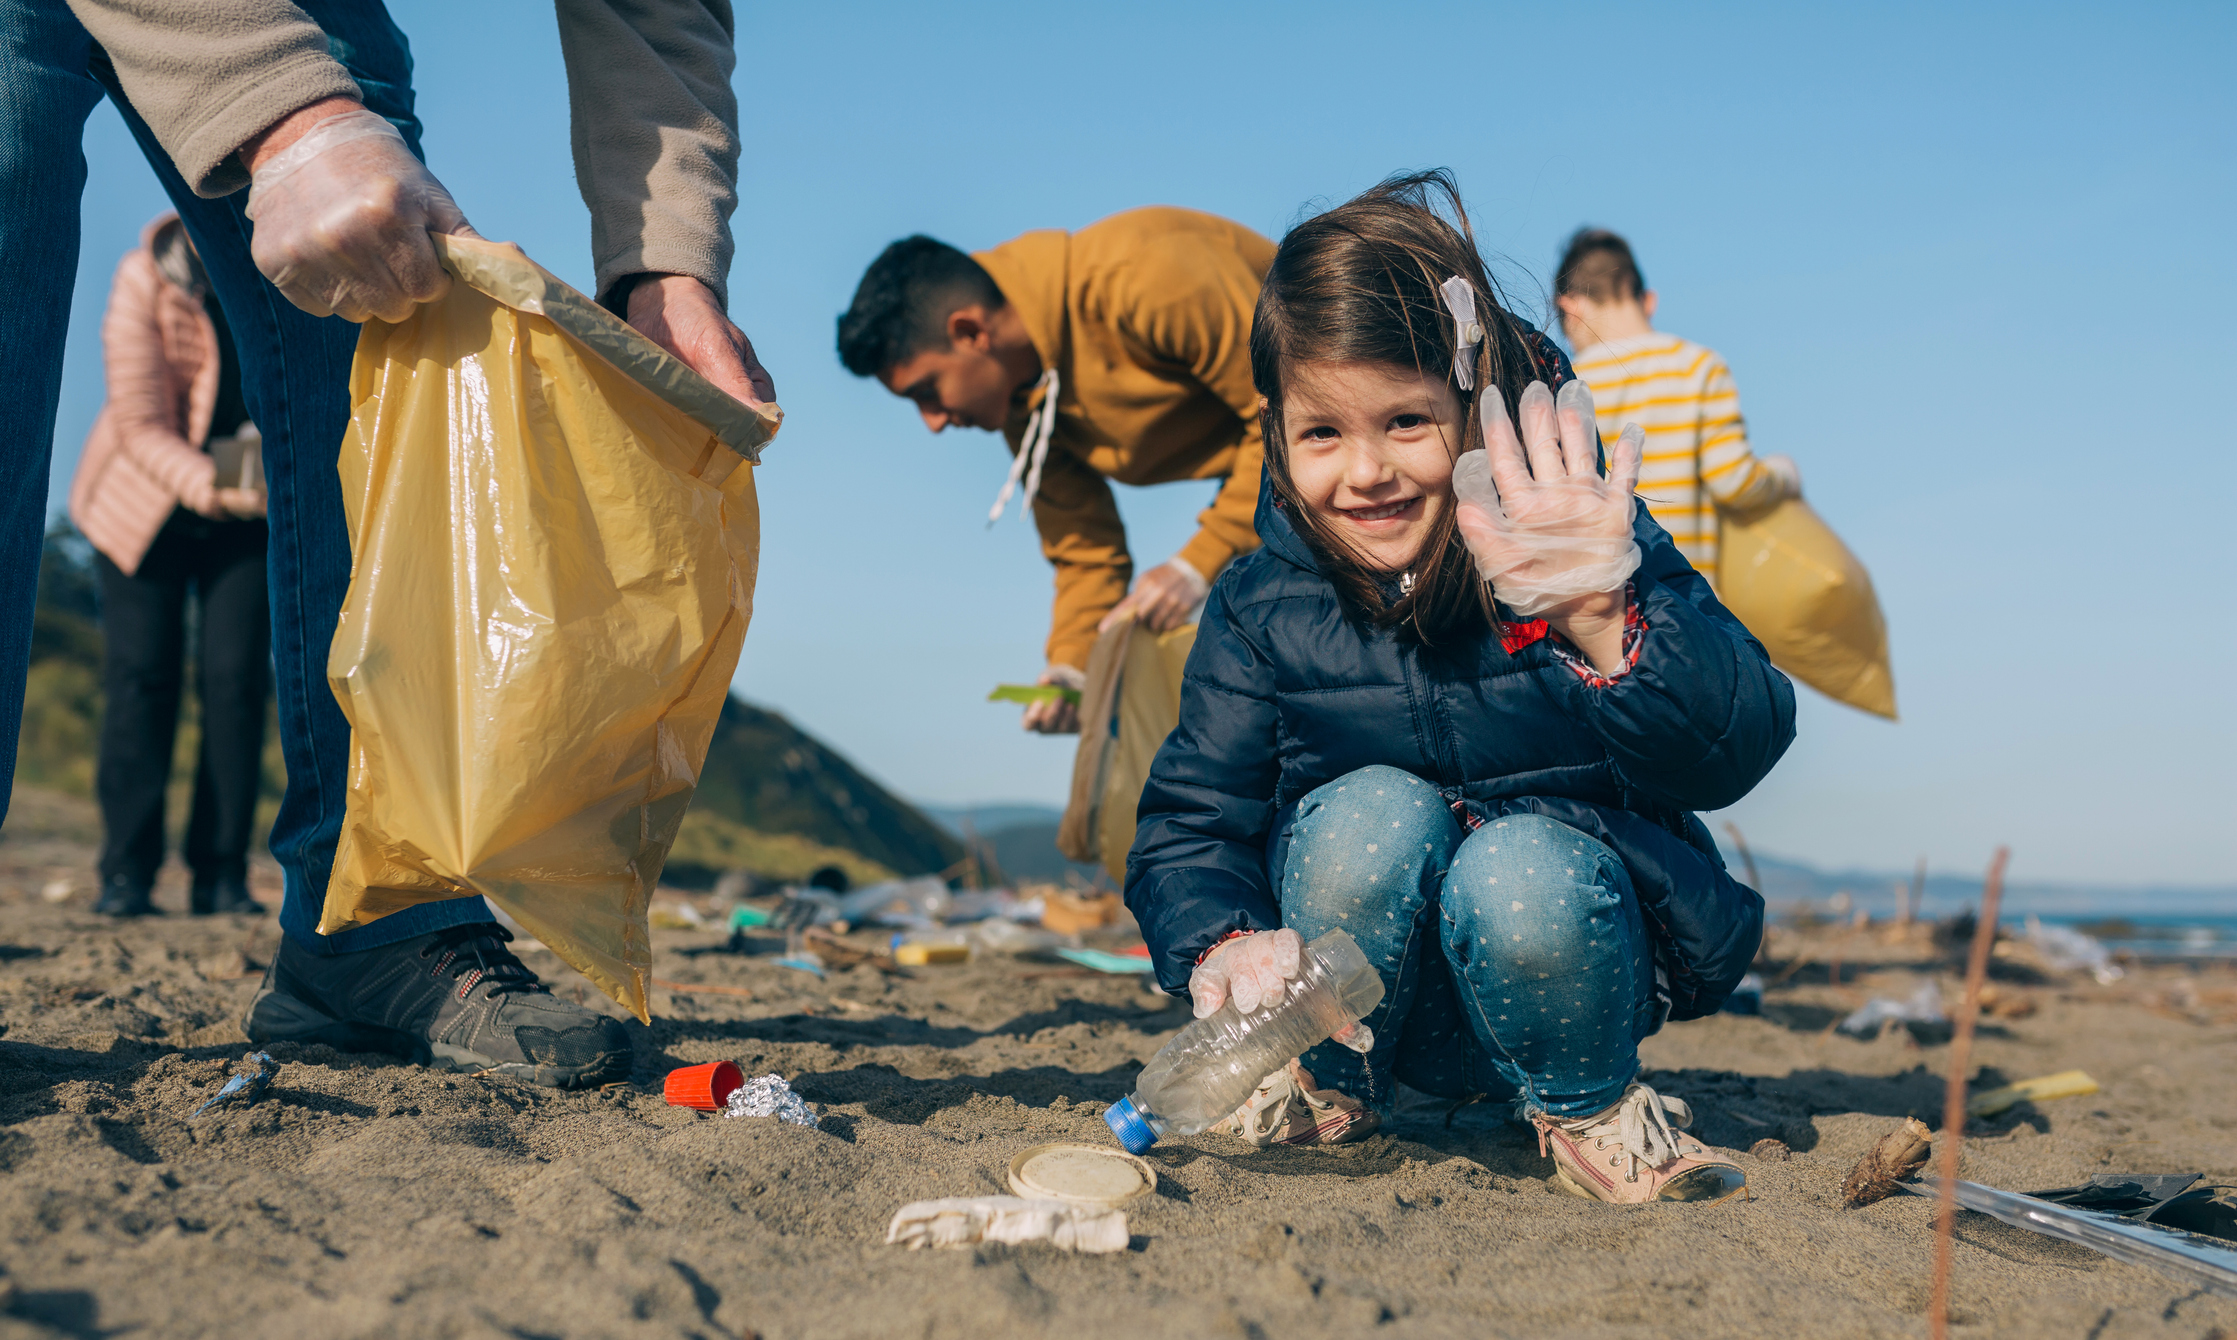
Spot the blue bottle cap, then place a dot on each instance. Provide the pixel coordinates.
(1133, 1133)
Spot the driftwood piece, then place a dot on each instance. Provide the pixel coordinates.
(1899, 1153)
(839, 954)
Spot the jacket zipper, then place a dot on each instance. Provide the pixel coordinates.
(1430, 725)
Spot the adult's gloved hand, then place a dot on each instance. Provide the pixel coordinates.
(1789, 475)
(1163, 598)
(1255, 970)
(1057, 716)
(1547, 528)
(342, 214)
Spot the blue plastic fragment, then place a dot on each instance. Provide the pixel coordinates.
(246, 1086)
(1103, 961)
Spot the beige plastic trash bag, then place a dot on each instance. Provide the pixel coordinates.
(1131, 703)
(1788, 577)
(554, 534)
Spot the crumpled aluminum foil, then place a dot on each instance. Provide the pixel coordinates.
(770, 1096)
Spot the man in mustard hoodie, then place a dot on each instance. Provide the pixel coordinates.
(1138, 329)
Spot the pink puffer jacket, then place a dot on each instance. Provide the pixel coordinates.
(146, 453)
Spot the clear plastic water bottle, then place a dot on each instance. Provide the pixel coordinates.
(1211, 1069)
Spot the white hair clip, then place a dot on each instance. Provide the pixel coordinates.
(1468, 336)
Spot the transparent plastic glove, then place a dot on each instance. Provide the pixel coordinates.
(241, 504)
(1255, 970)
(199, 494)
(1788, 474)
(1542, 524)
(1163, 598)
(1057, 716)
(342, 217)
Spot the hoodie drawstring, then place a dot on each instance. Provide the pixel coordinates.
(1033, 450)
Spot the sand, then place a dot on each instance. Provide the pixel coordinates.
(365, 1197)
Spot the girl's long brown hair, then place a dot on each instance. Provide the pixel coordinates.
(1359, 284)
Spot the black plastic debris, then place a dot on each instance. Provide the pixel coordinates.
(2170, 1200)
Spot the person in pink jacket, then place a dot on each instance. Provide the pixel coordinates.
(174, 508)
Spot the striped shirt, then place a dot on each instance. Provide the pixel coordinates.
(1697, 455)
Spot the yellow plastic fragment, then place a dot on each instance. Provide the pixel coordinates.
(921, 955)
(2064, 1084)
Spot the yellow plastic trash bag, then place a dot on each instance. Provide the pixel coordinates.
(1131, 703)
(1788, 577)
(553, 533)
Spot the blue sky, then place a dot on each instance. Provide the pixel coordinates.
(1970, 264)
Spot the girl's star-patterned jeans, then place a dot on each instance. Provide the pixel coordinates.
(1513, 958)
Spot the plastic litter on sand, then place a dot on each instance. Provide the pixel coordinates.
(2193, 1261)
(2066, 950)
(2064, 1084)
(245, 1087)
(964, 1220)
(770, 1096)
(1089, 1175)
(1924, 1007)
(1105, 961)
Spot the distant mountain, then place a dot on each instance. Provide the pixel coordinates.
(1787, 881)
(990, 818)
(1021, 839)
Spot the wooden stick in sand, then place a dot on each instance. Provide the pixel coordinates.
(1953, 1102)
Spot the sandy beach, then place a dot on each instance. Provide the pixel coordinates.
(365, 1197)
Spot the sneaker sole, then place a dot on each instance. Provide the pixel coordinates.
(273, 1017)
(604, 1070)
(1563, 1182)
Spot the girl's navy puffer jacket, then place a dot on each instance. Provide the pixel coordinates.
(1283, 694)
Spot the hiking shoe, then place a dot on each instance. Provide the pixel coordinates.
(1633, 1153)
(1288, 1110)
(455, 999)
(227, 893)
(124, 896)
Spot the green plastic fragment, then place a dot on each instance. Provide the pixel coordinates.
(1032, 693)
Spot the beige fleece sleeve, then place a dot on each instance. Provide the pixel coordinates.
(209, 75)
(655, 134)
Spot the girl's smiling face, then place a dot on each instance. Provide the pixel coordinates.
(1371, 448)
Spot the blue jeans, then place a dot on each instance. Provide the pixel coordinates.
(1513, 958)
(295, 375)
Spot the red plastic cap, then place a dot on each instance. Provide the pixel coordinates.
(706, 1087)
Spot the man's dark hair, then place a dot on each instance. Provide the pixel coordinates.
(1598, 265)
(902, 305)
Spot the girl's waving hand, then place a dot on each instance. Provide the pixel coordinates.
(1545, 528)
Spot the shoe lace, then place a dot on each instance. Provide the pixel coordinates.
(1643, 1125)
(476, 952)
(1268, 1108)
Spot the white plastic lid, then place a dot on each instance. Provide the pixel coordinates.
(1081, 1174)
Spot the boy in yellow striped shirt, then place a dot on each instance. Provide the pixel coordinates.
(1697, 458)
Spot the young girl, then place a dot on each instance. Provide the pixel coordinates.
(1488, 780)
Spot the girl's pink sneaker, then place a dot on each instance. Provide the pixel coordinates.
(1634, 1152)
(1288, 1110)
